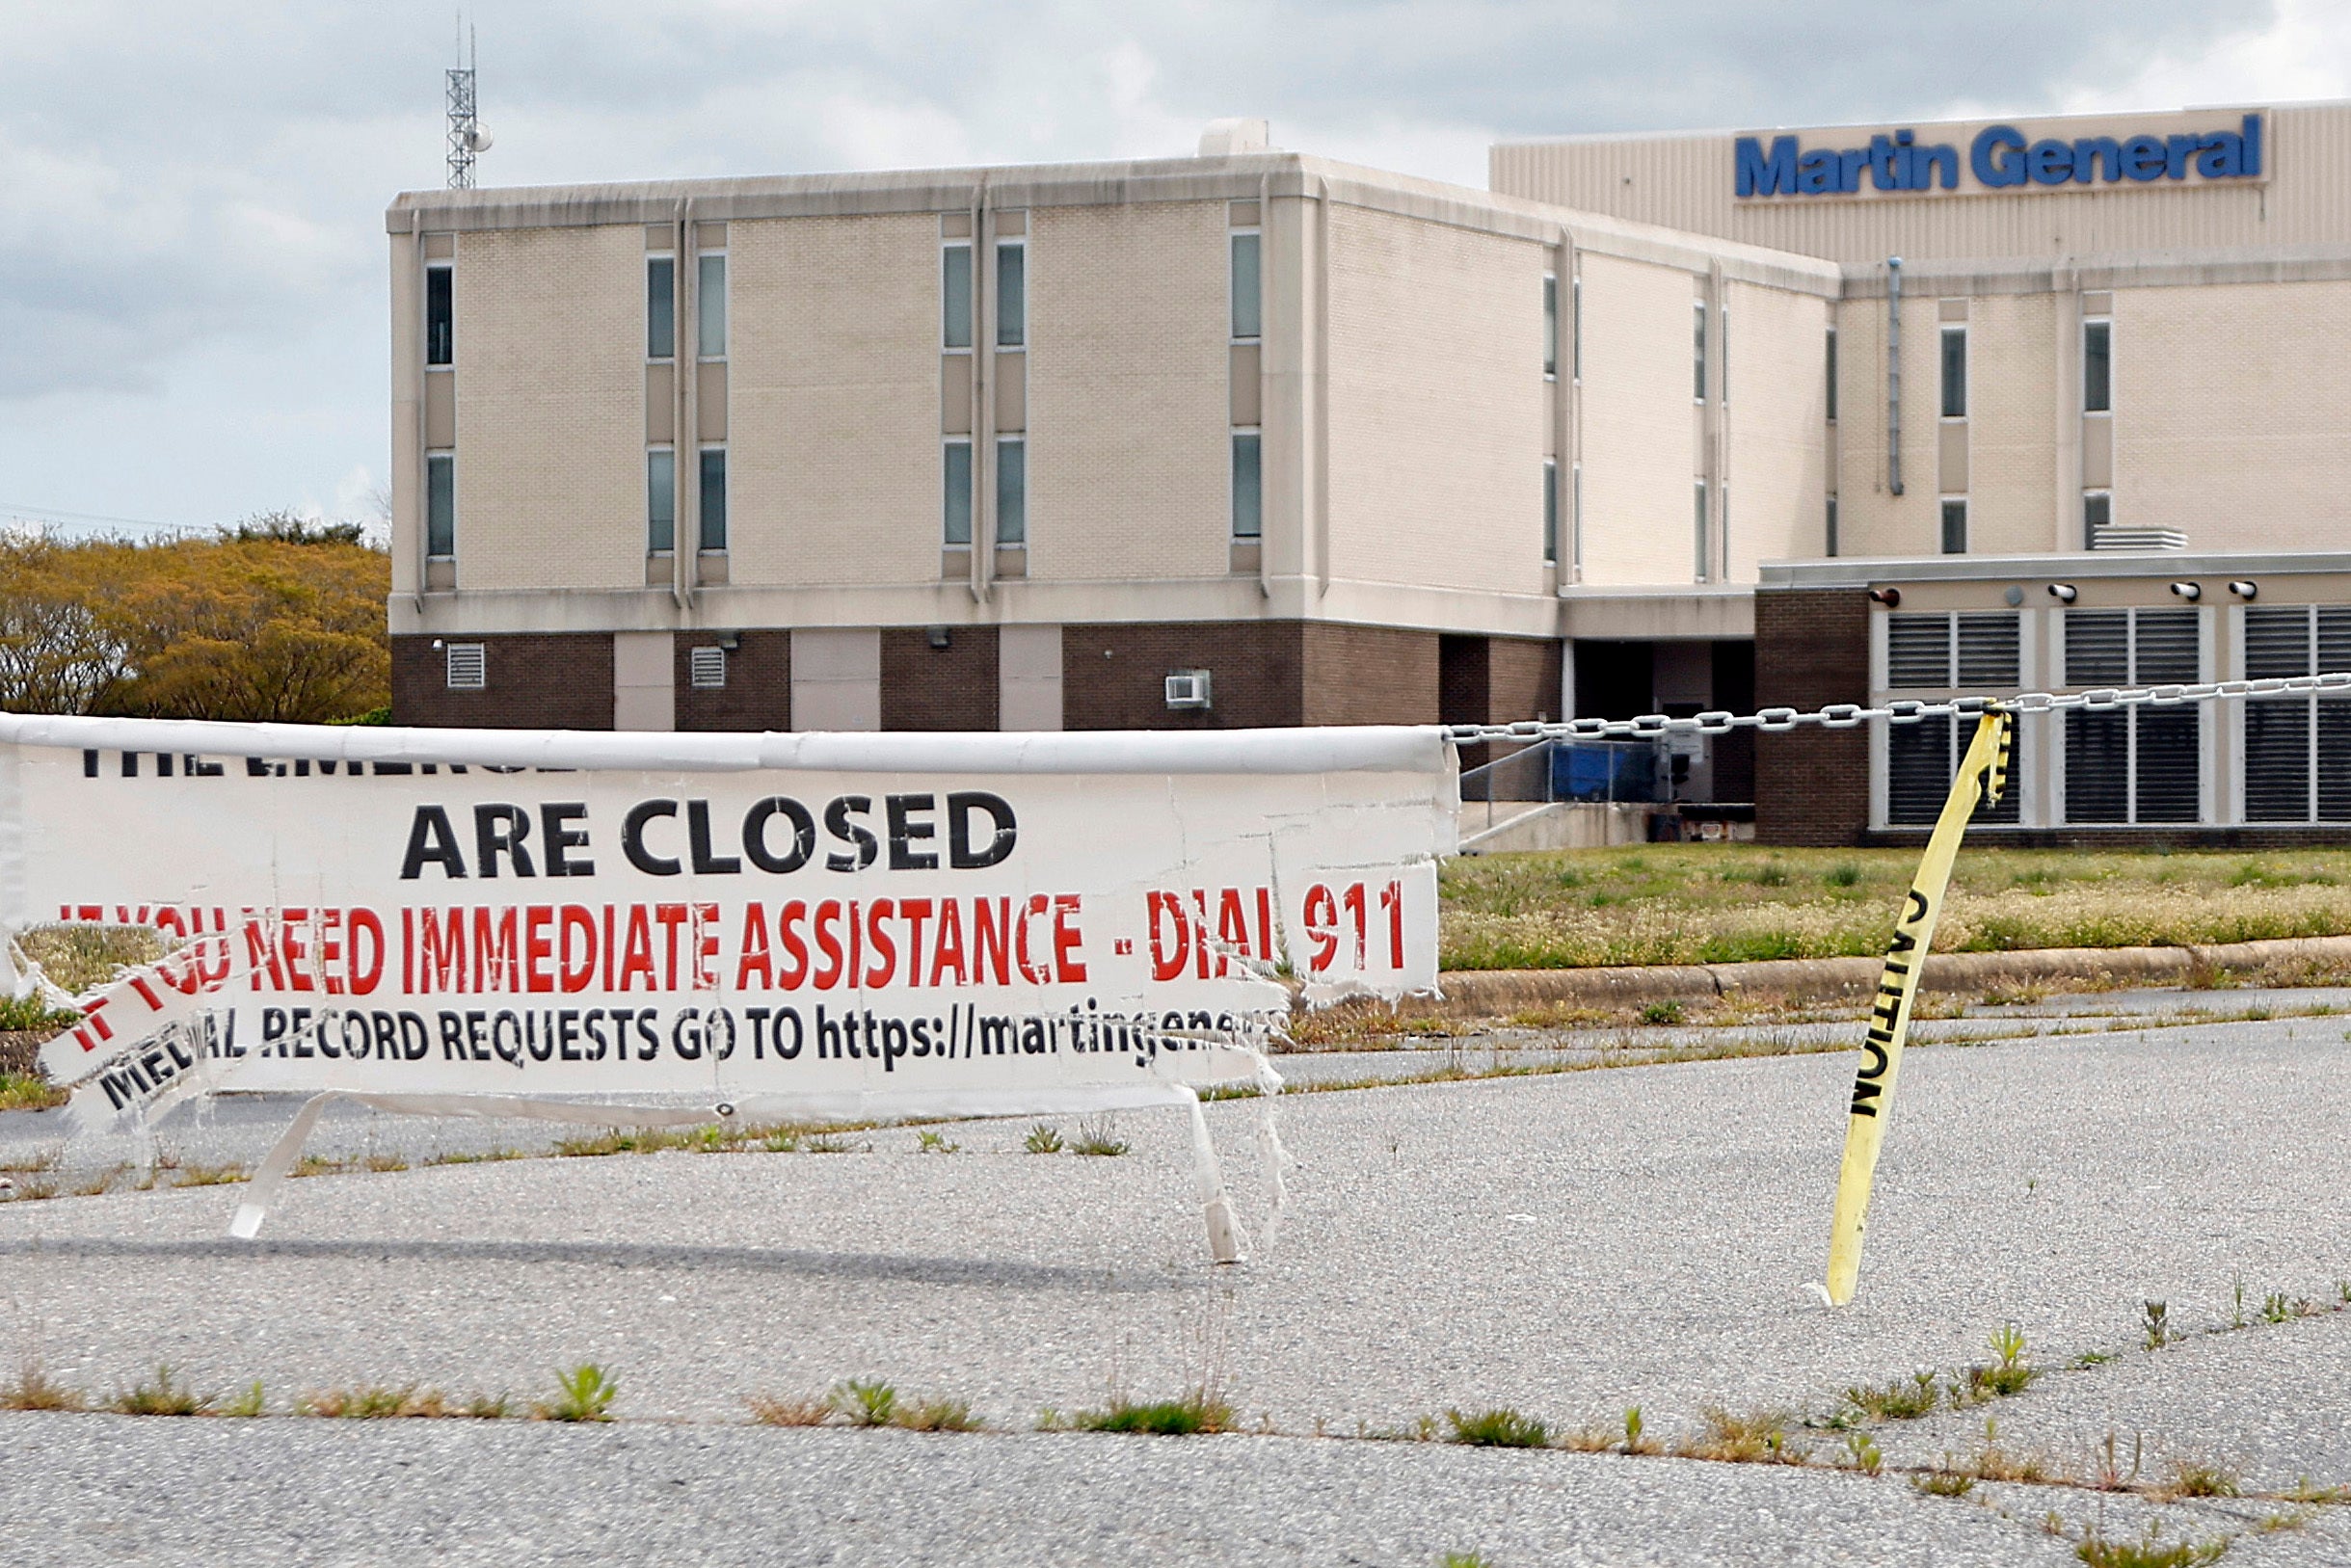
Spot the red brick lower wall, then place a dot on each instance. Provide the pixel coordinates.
(938, 688)
(537, 681)
(758, 693)
(1522, 679)
(1369, 675)
(1113, 677)
(1811, 648)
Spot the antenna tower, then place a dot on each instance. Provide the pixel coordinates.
(465, 137)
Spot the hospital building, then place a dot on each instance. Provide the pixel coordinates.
(1662, 423)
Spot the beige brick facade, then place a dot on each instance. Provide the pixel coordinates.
(1640, 445)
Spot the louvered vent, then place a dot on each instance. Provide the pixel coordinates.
(2167, 648)
(1987, 650)
(469, 667)
(2097, 647)
(1918, 651)
(707, 668)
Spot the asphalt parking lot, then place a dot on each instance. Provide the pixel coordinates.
(1569, 1245)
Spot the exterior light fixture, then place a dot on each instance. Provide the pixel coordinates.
(2191, 592)
(2243, 589)
(1888, 597)
(938, 636)
(2063, 593)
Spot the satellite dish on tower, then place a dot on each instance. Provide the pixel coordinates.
(467, 136)
(477, 139)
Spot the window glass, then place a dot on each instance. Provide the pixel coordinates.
(440, 325)
(1551, 326)
(1699, 517)
(1012, 491)
(1698, 355)
(1248, 487)
(956, 295)
(1011, 296)
(440, 505)
(1248, 300)
(2098, 350)
(714, 498)
(1575, 515)
(2098, 511)
(1831, 525)
(958, 492)
(1575, 328)
(1955, 527)
(1955, 372)
(711, 309)
(660, 501)
(661, 307)
(1832, 379)
(1551, 512)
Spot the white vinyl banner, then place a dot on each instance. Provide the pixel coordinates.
(763, 924)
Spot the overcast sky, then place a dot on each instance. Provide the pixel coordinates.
(192, 251)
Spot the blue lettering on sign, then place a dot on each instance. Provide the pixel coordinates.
(2000, 157)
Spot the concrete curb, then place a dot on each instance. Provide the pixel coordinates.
(1498, 993)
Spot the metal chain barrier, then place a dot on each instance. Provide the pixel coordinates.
(1846, 715)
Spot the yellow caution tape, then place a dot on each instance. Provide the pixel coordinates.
(1982, 775)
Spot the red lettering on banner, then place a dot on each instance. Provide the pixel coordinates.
(671, 917)
(885, 949)
(828, 969)
(705, 946)
(946, 954)
(991, 935)
(361, 974)
(576, 964)
(1068, 967)
(1169, 952)
(442, 956)
(290, 923)
(636, 955)
(1265, 924)
(857, 947)
(1231, 927)
(795, 968)
(498, 957)
(1200, 952)
(261, 954)
(917, 912)
(1031, 971)
(538, 946)
(330, 950)
(753, 956)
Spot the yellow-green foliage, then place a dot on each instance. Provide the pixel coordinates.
(1709, 904)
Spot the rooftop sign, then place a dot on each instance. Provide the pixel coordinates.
(1996, 158)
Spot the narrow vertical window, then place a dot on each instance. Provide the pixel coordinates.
(1721, 354)
(1698, 359)
(1699, 531)
(713, 497)
(440, 505)
(1551, 325)
(956, 295)
(1575, 519)
(1248, 300)
(1955, 372)
(1248, 487)
(440, 322)
(1551, 512)
(661, 307)
(2097, 367)
(1011, 490)
(1955, 527)
(1833, 380)
(660, 501)
(2098, 511)
(711, 308)
(1831, 525)
(957, 490)
(1011, 293)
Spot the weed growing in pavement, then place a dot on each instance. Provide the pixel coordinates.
(1463, 1559)
(1503, 1429)
(940, 1415)
(1664, 1012)
(371, 1402)
(2201, 1477)
(1993, 1463)
(1043, 1139)
(2092, 1358)
(1590, 1438)
(1755, 1436)
(1634, 1442)
(27, 1189)
(209, 1176)
(1898, 1400)
(865, 1402)
(1944, 1482)
(251, 1403)
(163, 1394)
(582, 1394)
(2110, 1475)
(487, 1407)
(36, 1389)
(1198, 1412)
(935, 1143)
(460, 1157)
(1098, 1137)
(772, 1410)
(2158, 1323)
(1863, 1449)
(2305, 1492)
(2148, 1551)
(2275, 1309)
(28, 1091)
(2236, 1316)
(824, 1143)
(2283, 1519)
(2009, 1374)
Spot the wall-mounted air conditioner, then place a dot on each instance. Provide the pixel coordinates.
(1187, 688)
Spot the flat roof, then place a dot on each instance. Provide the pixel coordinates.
(1850, 571)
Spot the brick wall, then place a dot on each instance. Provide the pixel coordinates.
(1812, 648)
(938, 688)
(1369, 675)
(1522, 679)
(758, 693)
(537, 681)
(1114, 676)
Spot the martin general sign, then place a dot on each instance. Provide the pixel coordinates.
(2069, 155)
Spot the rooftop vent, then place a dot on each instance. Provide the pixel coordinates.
(2138, 539)
(1226, 137)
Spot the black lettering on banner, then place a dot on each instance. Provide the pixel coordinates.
(698, 841)
(787, 1052)
(429, 838)
(633, 837)
(960, 806)
(415, 1038)
(554, 827)
(685, 1035)
(593, 1024)
(906, 829)
(649, 1044)
(501, 830)
(754, 834)
(863, 846)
